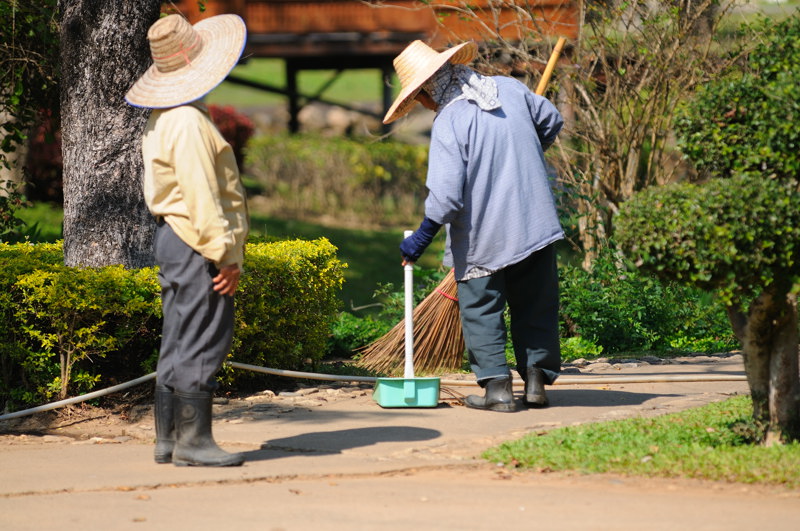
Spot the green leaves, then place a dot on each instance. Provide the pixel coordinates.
(28, 67)
(63, 330)
(74, 314)
(735, 235)
(746, 122)
(287, 302)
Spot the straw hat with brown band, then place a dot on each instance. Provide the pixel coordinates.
(415, 65)
(188, 61)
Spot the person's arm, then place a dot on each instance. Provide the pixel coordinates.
(195, 171)
(546, 119)
(447, 165)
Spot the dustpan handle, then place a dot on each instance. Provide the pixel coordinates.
(408, 283)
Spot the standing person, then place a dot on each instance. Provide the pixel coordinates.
(487, 181)
(192, 187)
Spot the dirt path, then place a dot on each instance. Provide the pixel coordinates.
(328, 457)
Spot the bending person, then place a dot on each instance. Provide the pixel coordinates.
(488, 182)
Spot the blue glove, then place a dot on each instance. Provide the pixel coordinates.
(413, 246)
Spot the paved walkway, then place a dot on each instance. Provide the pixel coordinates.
(333, 459)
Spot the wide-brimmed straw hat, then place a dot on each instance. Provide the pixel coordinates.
(188, 61)
(415, 65)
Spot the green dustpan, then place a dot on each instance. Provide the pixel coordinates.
(407, 391)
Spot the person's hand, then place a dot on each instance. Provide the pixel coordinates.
(412, 247)
(226, 282)
(407, 262)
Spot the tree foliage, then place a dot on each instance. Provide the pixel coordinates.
(738, 233)
(736, 236)
(28, 68)
(634, 62)
(748, 123)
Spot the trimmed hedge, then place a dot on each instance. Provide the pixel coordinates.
(735, 235)
(67, 330)
(287, 302)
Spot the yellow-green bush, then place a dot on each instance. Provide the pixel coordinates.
(67, 330)
(286, 303)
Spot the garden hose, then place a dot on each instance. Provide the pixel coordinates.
(596, 380)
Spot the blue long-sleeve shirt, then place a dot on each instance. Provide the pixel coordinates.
(487, 179)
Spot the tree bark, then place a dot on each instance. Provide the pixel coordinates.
(770, 346)
(103, 51)
(784, 384)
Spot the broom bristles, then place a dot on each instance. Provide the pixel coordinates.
(438, 338)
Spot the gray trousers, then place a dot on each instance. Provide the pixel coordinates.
(198, 322)
(530, 289)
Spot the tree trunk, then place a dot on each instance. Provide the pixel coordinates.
(103, 51)
(784, 383)
(770, 345)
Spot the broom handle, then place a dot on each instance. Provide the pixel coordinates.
(408, 282)
(551, 64)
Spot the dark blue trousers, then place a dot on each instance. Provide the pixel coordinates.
(530, 290)
(198, 321)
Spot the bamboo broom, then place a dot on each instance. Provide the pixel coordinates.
(438, 337)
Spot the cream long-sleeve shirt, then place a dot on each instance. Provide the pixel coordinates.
(192, 181)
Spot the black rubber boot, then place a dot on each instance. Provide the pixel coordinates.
(164, 414)
(195, 444)
(499, 396)
(534, 389)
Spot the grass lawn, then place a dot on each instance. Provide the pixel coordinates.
(710, 442)
(42, 222)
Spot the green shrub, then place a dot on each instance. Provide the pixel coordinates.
(307, 175)
(618, 310)
(62, 326)
(745, 123)
(17, 260)
(349, 333)
(286, 304)
(71, 315)
(737, 235)
(576, 347)
(67, 330)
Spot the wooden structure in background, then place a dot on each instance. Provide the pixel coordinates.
(353, 34)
